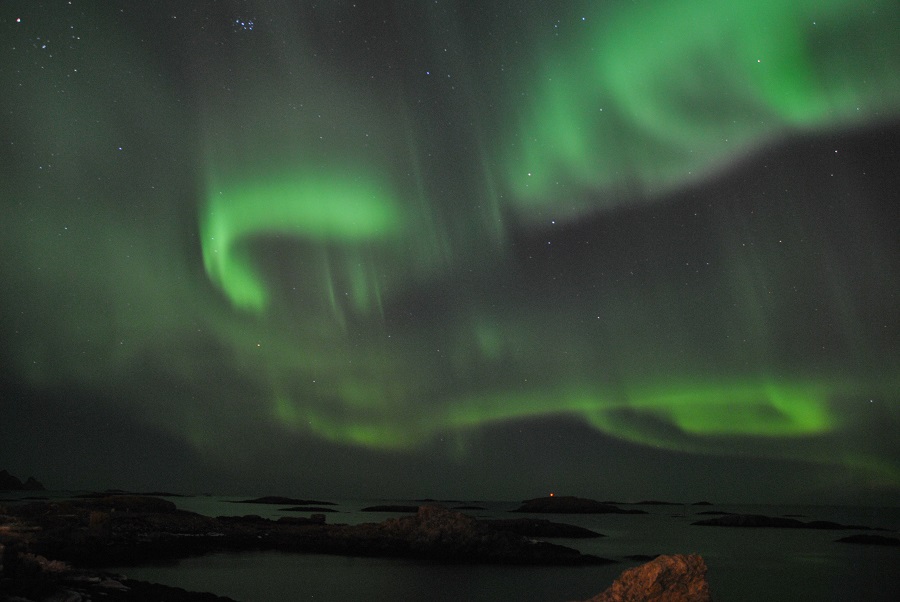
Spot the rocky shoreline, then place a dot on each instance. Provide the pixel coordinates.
(49, 544)
(130, 529)
(57, 549)
(28, 577)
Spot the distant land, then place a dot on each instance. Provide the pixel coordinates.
(9, 482)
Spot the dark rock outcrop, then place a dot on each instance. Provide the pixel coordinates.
(538, 527)
(125, 530)
(109, 492)
(749, 520)
(283, 501)
(32, 484)
(566, 504)
(306, 509)
(678, 578)
(27, 577)
(870, 540)
(10, 483)
(775, 522)
(132, 503)
(390, 508)
(436, 533)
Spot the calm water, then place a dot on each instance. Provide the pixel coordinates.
(744, 564)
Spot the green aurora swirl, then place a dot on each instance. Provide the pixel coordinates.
(576, 221)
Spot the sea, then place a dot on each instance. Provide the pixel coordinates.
(744, 563)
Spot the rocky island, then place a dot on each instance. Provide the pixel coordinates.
(10, 483)
(727, 519)
(112, 529)
(567, 504)
(50, 544)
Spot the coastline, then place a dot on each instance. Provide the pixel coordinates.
(137, 532)
(52, 545)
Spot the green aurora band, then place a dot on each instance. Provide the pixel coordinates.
(629, 102)
(656, 94)
(318, 208)
(378, 291)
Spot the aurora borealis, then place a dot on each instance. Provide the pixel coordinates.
(490, 249)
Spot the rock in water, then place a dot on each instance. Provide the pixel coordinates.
(568, 504)
(10, 483)
(871, 540)
(677, 578)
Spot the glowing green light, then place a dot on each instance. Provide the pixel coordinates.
(342, 207)
(636, 103)
(387, 234)
(765, 409)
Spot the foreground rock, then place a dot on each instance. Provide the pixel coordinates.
(566, 504)
(131, 530)
(678, 578)
(25, 577)
(774, 522)
(10, 483)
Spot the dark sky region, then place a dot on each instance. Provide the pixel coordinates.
(485, 250)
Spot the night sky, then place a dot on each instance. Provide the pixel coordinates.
(624, 249)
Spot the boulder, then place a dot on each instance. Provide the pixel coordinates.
(677, 578)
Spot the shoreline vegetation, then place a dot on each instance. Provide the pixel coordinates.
(53, 546)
